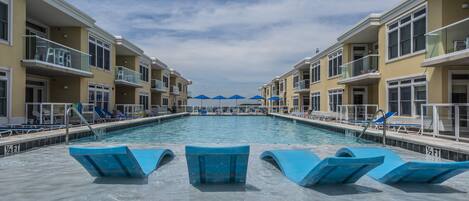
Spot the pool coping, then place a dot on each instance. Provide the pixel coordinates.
(20, 143)
(452, 150)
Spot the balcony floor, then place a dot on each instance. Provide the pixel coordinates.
(459, 58)
(363, 79)
(47, 69)
(126, 83)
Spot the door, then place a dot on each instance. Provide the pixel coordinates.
(460, 94)
(359, 97)
(358, 52)
(305, 103)
(35, 94)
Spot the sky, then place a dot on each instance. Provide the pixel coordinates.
(230, 47)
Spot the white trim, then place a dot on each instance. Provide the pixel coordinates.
(411, 22)
(331, 54)
(9, 78)
(412, 85)
(10, 23)
(450, 81)
(40, 79)
(365, 96)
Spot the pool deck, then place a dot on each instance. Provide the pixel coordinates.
(450, 145)
(50, 173)
(59, 134)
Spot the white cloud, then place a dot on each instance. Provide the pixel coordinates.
(230, 47)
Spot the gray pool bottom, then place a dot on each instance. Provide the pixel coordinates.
(51, 174)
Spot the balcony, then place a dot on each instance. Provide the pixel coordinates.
(175, 90)
(448, 46)
(361, 71)
(158, 85)
(301, 86)
(127, 77)
(45, 57)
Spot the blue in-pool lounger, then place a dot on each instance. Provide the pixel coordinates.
(209, 165)
(395, 170)
(306, 169)
(119, 161)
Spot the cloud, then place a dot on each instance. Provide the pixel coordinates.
(229, 47)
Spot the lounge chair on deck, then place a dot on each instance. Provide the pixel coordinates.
(395, 170)
(208, 165)
(119, 161)
(306, 169)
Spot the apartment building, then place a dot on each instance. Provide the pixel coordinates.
(413, 54)
(53, 55)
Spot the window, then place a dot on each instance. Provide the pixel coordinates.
(316, 101)
(99, 95)
(296, 79)
(4, 20)
(295, 101)
(180, 87)
(407, 34)
(3, 94)
(315, 72)
(144, 72)
(144, 100)
(165, 81)
(335, 99)
(165, 101)
(406, 96)
(100, 53)
(335, 63)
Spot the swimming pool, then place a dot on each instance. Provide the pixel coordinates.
(228, 129)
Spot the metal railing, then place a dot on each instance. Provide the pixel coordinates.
(54, 113)
(356, 113)
(130, 110)
(175, 90)
(47, 51)
(369, 123)
(127, 75)
(258, 110)
(158, 85)
(67, 122)
(159, 109)
(450, 120)
(448, 39)
(364, 65)
(301, 85)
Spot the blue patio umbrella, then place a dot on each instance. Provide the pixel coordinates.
(219, 98)
(274, 98)
(256, 97)
(236, 98)
(201, 97)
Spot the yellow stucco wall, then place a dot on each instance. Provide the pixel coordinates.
(10, 60)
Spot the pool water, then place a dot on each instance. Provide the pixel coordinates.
(228, 129)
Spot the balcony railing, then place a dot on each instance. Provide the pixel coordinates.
(49, 55)
(449, 39)
(175, 90)
(449, 120)
(301, 85)
(365, 65)
(131, 110)
(158, 85)
(54, 113)
(127, 76)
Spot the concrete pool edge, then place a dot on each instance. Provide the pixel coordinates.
(24, 142)
(452, 150)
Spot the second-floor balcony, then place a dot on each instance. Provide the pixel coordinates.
(46, 57)
(361, 71)
(301, 86)
(127, 77)
(175, 90)
(448, 46)
(158, 85)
